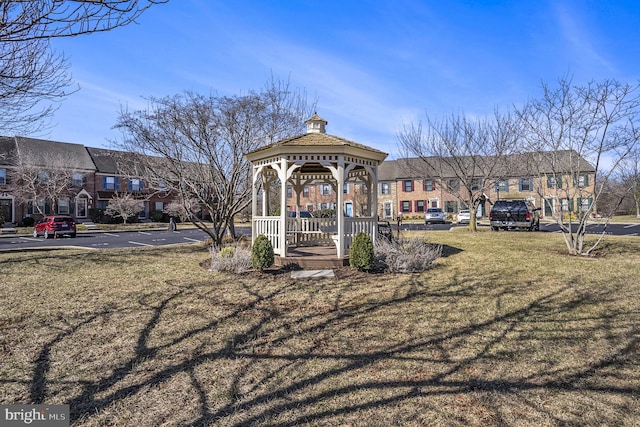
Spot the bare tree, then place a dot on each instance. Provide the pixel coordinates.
(41, 179)
(193, 145)
(124, 205)
(33, 77)
(465, 155)
(569, 124)
(630, 177)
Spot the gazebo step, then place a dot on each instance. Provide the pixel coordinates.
(316, 262)
(312, 274)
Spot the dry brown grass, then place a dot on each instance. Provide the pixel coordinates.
(505, 330)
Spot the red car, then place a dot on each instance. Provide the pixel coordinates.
(54, 226)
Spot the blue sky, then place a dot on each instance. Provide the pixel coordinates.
(371, 65)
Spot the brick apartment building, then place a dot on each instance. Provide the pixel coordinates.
(86, 178)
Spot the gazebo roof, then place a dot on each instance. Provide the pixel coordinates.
(317, 143)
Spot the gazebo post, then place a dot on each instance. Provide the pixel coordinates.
(254, 201)
(282, 233)
(340, 207)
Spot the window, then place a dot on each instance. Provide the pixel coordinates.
(526, 184)
(566, 205)
(419, 205)
(162, 186)
(325, 189)
(428, 185)
(159, 206)
(476, 184)
(305, 192)
(289, 191)
(585, 204)
(38, 206)
(77, 179)
(407, 185)
(345, 189)
(3, 176)
(453, 184)
(63, 206)
(135, 184)
(385, 188)
(451, 206)
(102, 204)
(583, 180)
(553, 181)
(503, 185)
(110, 183)
(405, 206)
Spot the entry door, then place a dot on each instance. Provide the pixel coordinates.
(349, 210)
(387, 210)
(81, 207)
(6, 208)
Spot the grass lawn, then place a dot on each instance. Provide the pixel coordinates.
(505, 330)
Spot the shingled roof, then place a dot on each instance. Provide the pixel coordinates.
(74, 156)
(316, 140)
(516, 165)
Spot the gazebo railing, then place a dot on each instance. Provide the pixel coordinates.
(312, 231)
(270, 227)
(355, 225)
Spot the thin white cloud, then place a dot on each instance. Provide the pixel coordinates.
(579, 37)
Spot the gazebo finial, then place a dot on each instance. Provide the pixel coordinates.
(316, 124)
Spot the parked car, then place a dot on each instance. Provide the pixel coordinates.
(464, 216)
(516, 213)
(54, 226)
(434, 215)
(303, 214)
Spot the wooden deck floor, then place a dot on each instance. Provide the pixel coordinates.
(313, 257)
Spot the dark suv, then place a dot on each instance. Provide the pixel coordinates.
(516, 213)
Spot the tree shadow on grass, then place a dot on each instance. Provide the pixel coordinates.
(292, 354)
(448, 251)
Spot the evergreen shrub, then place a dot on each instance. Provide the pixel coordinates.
(262, 253)
(361, 254)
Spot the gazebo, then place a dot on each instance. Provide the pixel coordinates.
(313, 158)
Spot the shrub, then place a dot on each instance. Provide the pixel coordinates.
(406, 256)
(96, 214)
(28, 221)
(227, 252)
(361, 255)
(157, 216)
(262, 253)
(231, 260)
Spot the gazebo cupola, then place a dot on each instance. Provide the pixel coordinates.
(313, 158)
(316, 124)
